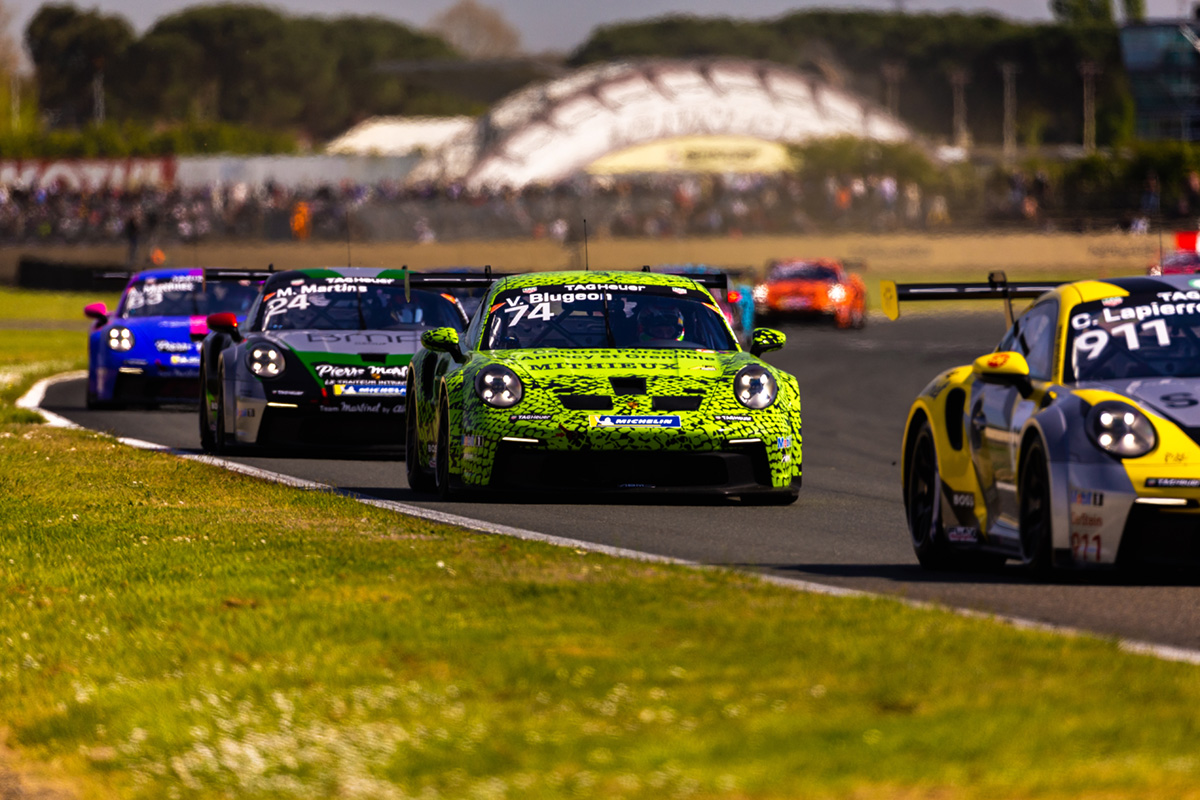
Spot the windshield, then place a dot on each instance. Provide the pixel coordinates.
(805, 272)
(1141, 336)
(338, 303)
(187, 296)
(618, 315)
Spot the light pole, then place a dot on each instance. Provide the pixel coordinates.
(1089, 70)
(959, 78)
(893, 73)
(1009, 70)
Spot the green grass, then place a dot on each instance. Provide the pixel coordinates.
(38, 306)
(169, 629)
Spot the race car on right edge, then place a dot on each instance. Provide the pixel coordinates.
(1074, 443)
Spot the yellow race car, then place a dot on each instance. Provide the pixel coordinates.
(1074, 443)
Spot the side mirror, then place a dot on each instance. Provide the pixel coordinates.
(443, 340)
(1004, 369)
(98, 312)
(224, 322)
(764, 340)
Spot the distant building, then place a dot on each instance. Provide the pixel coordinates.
(1162, 59)
(654, 116)
(398, 136)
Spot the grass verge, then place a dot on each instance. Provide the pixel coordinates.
(168, 629)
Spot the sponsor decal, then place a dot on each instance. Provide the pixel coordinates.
(185, 361)
(635, 485)
(733, 418)
(529, 290)
(1173, 483)
(529, 417)
(474, 440)
(357, 337)
(357, 389)
(783, 442)
(245, 412)
(1111, 301)
(1086, 520)
(633, 421)
(1082, 498)
(1194, 283)
(363, 408)
(166, 346)
(998, 360)
(962, 534)
(349, 371)
(678, 290)
(962, 500)
(290, 392)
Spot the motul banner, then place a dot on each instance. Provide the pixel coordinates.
(88, 173)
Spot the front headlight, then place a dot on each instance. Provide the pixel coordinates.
(755, 387)
(837, 293)
(265, 360)
(498, 386)
(1121, 429)
(120, 339)
(760, 293)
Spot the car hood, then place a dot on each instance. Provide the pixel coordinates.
(1177, 399)
(347, 342)
(550, 363)
(798, 286)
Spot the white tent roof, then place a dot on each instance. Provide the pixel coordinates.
(398, 136)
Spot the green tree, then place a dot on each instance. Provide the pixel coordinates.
(1133, 10)
(69, 48)
(1082, 12)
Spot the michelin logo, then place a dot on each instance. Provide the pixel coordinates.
(617, 421)
(346, 389)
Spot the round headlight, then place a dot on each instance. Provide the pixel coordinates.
(1121, 429)
(755, 387)
(120, 339)
(265, 360)
(837, 293)
(498, 386)
(760, 293)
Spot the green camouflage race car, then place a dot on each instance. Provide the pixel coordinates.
(602, 382)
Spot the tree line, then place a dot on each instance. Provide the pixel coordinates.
(245, 64)
(314, 76)
(918, 54)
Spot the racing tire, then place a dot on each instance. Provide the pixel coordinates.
(1037, 552)
(208, 442)
(923, 496)
(442, 453)
(221, 440)
(418, 479)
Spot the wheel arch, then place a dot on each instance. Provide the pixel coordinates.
(1048, 429)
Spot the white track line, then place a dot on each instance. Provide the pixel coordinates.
(32, 400)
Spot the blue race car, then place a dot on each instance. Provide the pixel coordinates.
(148, 350)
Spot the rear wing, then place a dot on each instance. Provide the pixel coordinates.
(996, 288)
(709, 280)
(118, 278)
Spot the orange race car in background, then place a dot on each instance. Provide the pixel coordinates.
(817, 287)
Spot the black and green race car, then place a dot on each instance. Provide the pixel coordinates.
(602, 381)
(322, 358)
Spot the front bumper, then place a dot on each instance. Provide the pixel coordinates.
(1140, 516)
(339, 422)
(686, 452)
(141, 382)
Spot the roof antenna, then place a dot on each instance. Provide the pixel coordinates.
(585, 250)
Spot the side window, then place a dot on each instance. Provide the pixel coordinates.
(473, 329)
(1033, 337)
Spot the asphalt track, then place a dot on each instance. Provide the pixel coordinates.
(847, 529)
